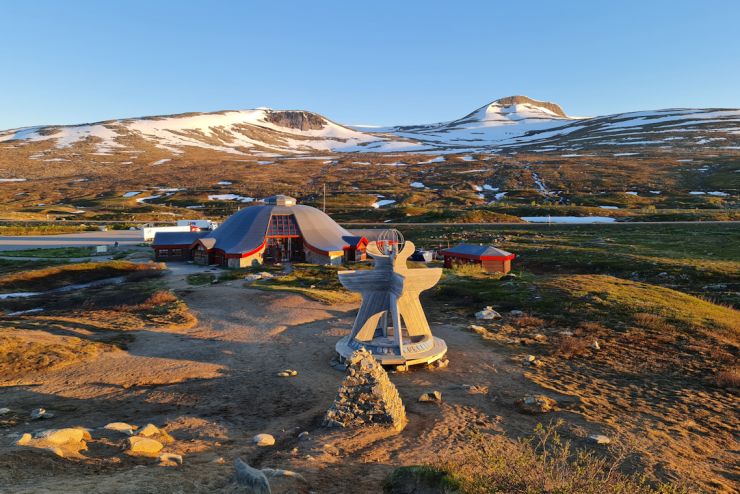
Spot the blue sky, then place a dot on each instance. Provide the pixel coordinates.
(361, 62)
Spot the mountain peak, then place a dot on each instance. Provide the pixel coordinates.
(524, 100)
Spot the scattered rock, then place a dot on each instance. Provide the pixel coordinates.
(288, 373)
(4, 411)
(121, 427)
(516, 313)
(265, 275)
(599, 439)
(595, 345)
(366, 396)
(566, 333)
(474, 389)
(304, 436)
(252, 479)
(716, 286)
(487, 313)
(149, 430)
(170, 459)
(534, 404)
(540, 338)
(61, 442)
(478, 329)
(285, 480)
(439, 364)
(533, 361)
(252, 277)
(24, 440)
(71, 435)
(431, 396)
(219, 461)
(40, 413)
(143, 446)
(263, 440)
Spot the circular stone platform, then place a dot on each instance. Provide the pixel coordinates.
(425, 350)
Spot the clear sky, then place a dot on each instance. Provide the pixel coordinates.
(374, 62)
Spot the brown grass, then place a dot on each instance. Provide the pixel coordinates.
(569, 347)
(28, 351)
(728, 378)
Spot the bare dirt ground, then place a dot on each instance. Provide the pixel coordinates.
(214, 386)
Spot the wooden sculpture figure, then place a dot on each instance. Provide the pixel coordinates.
(391, 323)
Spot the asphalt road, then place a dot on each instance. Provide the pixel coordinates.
(81, 239)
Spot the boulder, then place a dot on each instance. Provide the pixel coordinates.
(431, 397)
(263, 440)
(474, 389)
(170, 459)
(71, 435)
(478, 329)
(366, 396)
(4, 411)
(143, 446)
(440, 364)
(487, 313)
(599, 439)
(24, 440)
(149, 430)
(253, 480)
(123, 427)
(535, 404)
(40, 413)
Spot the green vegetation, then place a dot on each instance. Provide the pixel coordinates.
(543, 462)
(700, 259)
(316, 282)
(42, 229)
(13, 266)
(58, 275)
(61, 252)
(200, 279)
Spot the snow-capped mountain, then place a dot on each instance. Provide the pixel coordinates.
(506, 123)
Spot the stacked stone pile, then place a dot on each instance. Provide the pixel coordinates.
(366, 397)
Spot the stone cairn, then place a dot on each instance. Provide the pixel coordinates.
(366, 397)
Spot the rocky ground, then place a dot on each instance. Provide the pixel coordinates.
(210, 389)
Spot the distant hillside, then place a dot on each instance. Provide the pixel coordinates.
(513, 158)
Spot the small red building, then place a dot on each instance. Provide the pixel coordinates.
(492, 259)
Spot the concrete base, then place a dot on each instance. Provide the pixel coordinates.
(425, 351)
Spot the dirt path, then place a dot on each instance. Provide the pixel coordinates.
(214, 386)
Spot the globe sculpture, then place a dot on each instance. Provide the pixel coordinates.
(391, 323)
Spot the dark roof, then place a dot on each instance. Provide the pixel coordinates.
(353, 240)
(176, 238)
(208, 243)
(245, 230)
(478, 251)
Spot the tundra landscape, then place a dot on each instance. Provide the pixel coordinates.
(395, 279)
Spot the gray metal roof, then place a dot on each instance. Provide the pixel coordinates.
(176, 238)
(245, 230)
(476, 251)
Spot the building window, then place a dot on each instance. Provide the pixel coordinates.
(283, 225)
(164, 252)
(176, 252)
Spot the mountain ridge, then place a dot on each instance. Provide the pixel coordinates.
(509, 122)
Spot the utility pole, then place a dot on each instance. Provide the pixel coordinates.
(325, 197)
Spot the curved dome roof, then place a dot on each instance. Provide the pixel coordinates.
(245, 230)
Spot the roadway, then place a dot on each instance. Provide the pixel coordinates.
(79, 239)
